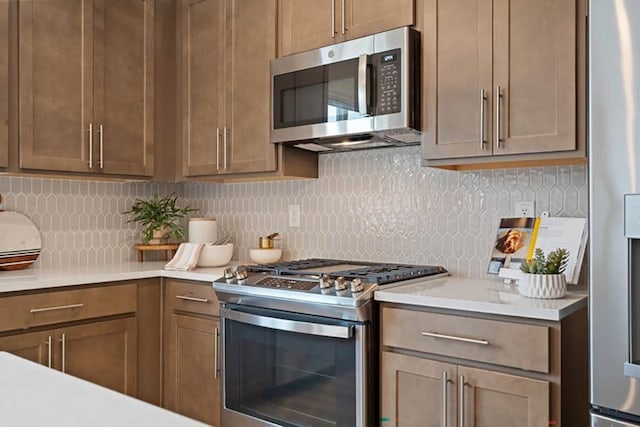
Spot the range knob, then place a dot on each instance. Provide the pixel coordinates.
(229, 274)
(340, 284)
(356, 285)
(325, 282)
(241, 274)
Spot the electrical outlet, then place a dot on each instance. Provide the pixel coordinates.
(526, 209)
(294, 215)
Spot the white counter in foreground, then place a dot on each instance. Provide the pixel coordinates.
(34, 395)
(43, 278)
(481, 296)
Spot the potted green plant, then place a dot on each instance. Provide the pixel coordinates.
(545, 275)
(159, 218)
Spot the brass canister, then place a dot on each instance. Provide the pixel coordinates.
(267, 241)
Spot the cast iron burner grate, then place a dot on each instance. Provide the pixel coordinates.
(380, 273)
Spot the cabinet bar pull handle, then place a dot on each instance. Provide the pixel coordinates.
(215, 353)
(445, 380)
(461, 400)
(60, 307)
(498, 109)
(101, 133)
(188, 298)
(344, 12)
(217, 148)
(90, 130)
(224, 139)
(49, 350)
(483, 98)
(64, 352)
(455, 338)
(333, 19)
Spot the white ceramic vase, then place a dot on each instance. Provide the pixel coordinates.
(544, 286)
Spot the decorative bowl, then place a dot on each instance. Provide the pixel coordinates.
(265, 256)
(215, 255)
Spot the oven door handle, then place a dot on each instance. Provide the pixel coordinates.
(334, 331)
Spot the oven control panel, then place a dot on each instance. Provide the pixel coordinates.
(286, 283)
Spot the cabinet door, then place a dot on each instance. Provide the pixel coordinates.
(493, 399)
(192, 364)
(4, 83)
(417, 391)
(123, 89)
(457, 66)
(365, 17)
(34, 346)
(56, 84)
(535, 67)
(202, 29)
(251, 44)
(307, 24)
(104, 353)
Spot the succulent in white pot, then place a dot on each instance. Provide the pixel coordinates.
(544, 276)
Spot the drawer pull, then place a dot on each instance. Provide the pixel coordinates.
(454, 338)
(187, 298)
(60, 307)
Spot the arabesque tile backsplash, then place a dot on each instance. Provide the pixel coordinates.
(377, 205)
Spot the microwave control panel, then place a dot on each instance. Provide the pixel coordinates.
(388, 72)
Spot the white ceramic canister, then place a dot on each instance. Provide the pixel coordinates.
(203, 230)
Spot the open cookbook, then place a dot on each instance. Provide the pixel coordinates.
(517, 239)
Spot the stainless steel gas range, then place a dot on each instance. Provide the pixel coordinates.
(300, 341)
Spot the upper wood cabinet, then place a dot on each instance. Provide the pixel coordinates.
(308, 24)
(4, 83)
(225, 49)
(227, 46)
(86, 86)
(501, 77)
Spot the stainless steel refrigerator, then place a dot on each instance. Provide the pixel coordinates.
(614, 211)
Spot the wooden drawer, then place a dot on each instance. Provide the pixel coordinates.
(504, 343)
(192, 297)
(44, 308)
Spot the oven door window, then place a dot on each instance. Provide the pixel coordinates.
(290, 378)
(323, 94)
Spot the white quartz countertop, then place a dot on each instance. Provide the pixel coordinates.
(481, 296)
(34, 395)
(476, 295)
(42, 278)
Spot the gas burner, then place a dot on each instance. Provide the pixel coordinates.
(379, 273)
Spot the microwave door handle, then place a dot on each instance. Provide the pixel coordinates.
(362, 85)
(319, 329)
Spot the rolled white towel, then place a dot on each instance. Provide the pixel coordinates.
(186, 257)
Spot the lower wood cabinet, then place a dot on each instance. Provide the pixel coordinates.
(102, 352)
(192, 358)
(459, 369)
(90, 332)
(192, 384)
(424, 392)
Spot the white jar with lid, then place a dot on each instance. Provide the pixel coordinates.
(203, 230)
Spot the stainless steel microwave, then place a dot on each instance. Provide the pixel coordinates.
(363, 93)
